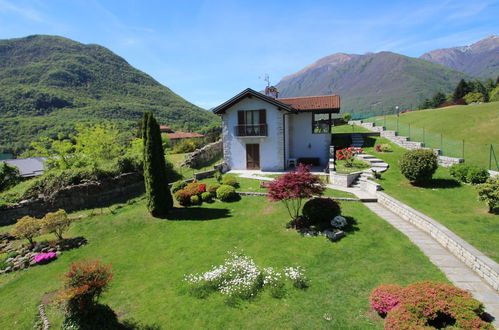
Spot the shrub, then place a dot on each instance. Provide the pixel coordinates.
(9, 176)
(207, 197)
(218, 176)
(386, 297)
(212, 189)
(186, 145)
(226, 193)
(26, 227)
(127, 164)
(474, 97)
(4, 264)
(488, 192)
(469, 173)
(418, 165)
(230, 180)
(195, 188)
(45, 258)
(386, 148)
(494, 95)
(348, 154)
(178, 185)
(195, 200)
(318, 211)
(56, 222)
(436, 305)
(83, 285)
(182, 197)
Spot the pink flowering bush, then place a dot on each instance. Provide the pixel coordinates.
(386, 297)
(45, 258)
(428, 305)
(348, 155)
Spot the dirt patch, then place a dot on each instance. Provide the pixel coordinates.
(48, 298)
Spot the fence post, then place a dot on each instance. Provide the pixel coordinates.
(490, 157)
(463, 149)
(397, 123)
(441, 144)
(409, 131)
(423, 137)
(384, 124)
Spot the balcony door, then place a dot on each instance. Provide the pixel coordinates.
(253, 156)
(252, 123)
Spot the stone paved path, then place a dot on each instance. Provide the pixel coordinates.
(455, 270)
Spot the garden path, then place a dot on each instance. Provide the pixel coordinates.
(455, 270)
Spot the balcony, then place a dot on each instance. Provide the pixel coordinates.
(251, 130)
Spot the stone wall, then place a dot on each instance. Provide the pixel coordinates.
(476, 260)
(86, 195)
(203, 155)
(404, 142)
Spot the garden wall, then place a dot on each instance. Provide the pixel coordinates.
(476, 260)
(83, 196)
(203, 155)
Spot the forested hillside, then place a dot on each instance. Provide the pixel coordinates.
(48, 84)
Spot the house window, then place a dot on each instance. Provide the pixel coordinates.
(321, 123)
(251, 123)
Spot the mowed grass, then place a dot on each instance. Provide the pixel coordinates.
(150, 257)
(186, 172)
(446, 128)
(349, 129)
(454, 205)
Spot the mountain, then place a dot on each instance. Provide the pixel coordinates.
(48, 84)
(480, 59)
(373, 82)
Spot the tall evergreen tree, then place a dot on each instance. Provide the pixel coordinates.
(159, 198)
(438, 99)
(461, 90)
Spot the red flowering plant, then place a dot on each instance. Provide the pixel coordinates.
(348, 155)
(293, 187)
(83, 285)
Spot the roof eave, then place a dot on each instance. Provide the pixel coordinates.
(250, 92)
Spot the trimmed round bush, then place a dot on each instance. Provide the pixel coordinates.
(212, 189)
(386, 297)
(469, 173)
(320, 211)
(178, 185)
(436, 305)
(418, 165)
(195, 200)
(230, 180)
(226, 193)
(206, 197)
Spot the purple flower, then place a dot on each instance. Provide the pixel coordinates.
(42, 258)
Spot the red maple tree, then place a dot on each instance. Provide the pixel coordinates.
(293, 187)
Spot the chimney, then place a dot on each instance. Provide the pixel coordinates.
(271, 91)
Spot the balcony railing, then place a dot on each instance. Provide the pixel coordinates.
(251, 130)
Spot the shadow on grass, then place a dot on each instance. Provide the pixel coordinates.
(438, 183)
(351, 226)
(103, 317)
(197, 214)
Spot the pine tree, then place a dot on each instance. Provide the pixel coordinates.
(461, 90)
(159, 198)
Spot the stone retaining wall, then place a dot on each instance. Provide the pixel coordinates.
(203, 155)
(403, 141)
(476, 260)
(83, 196)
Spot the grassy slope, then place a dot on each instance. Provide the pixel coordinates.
(476, 124)
(452, 204)
(150, 257)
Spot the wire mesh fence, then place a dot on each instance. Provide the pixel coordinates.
(483, 155)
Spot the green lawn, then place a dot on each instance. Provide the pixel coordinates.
(187, 172)
(150, 257)
(446, 128)
(349, 129)
(452, 204)
(357, 165)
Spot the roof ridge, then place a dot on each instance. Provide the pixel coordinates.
(305, 97)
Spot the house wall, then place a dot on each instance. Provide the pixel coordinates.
(271, 146)
(301, 137)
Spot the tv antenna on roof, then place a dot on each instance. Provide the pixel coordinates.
(266, 78)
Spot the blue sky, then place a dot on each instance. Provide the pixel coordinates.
(207, 51)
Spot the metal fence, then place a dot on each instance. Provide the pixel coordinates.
(483, 155)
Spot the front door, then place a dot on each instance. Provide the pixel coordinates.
(253, 156)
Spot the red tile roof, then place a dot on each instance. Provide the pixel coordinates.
(184, 135)
(166, 129)
(312, 102)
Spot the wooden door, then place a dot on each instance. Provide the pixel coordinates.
(253, 156)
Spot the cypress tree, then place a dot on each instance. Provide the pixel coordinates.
(461, 90)
(159, 198)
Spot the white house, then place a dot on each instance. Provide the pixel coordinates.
(269, 133)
